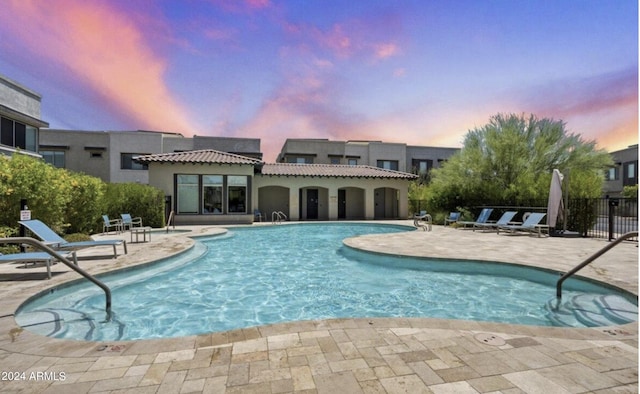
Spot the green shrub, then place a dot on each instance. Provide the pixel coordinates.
(87, 202)
(630, 191)
(7, 232)
(70, 202)
(77, 237)
(137, 200)
(44, 187)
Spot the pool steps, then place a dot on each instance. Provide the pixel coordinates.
(593, 311)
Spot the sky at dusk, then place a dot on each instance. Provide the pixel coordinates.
(420, 72)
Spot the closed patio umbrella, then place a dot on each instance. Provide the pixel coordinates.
(555, 206)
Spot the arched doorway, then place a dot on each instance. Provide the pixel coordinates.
(386, 203)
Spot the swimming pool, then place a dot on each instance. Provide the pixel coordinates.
(261, 275)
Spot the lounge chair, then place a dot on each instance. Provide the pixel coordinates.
(35, 257)
(531, 225)
(422, 220)
(48, 236)
(504, 220)
(107, 224)
(482, 218)
(453, 218)
(128, 221)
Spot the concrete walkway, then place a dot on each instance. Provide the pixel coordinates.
(394, 355)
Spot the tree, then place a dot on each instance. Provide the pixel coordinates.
(510, 160)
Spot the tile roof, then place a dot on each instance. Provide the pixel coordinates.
(210, 156)
(331, 170)
(204, 156)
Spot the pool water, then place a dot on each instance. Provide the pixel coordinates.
(255, 276)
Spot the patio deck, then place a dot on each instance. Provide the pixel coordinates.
(391, 355)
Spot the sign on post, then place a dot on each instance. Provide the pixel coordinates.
(25, 214)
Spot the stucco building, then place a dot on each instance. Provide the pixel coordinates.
(109, 154)
(623, 173)
(210, 186)
(19, 118)
(393, 156)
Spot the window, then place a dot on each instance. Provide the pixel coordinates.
(630, 177)
(18, 135)
(127, 163)
(187, 193)
(95, 155)
(54, 157)
(212, 193)
(631, 170)
(237, 192)
(6, 132)
(353, 162)
(300, 160)
(388, 164)
(611, 174)
(421, 166)
(31, 138)
(335, 160)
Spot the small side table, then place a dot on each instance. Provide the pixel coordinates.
(141, 231)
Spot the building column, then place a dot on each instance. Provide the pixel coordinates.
(403, 204)
(369, 203)
(333, 203)
(294, 204)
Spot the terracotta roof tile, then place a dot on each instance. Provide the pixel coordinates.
(210, 156)
(198, 157)
(332, 170)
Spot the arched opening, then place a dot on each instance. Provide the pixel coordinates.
(273, 199)
(386, 203)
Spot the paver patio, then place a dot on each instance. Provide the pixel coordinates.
(384, 355)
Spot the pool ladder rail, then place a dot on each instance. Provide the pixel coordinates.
(41, 246)
(591, 259)
(171, 220)
(278, 217)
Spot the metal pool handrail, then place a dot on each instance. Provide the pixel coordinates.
(591, 259)
(171, 220)
(278, 216)
(39, 245)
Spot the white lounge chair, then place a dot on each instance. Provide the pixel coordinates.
(35, 257)
(48, 236)
(504, 220)
(531, 225)
(482, 218)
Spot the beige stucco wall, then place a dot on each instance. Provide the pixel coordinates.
(282, 193)
(357, 188)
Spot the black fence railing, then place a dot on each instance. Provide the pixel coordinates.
(605, 218)
(614, 217)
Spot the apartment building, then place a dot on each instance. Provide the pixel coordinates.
(109, 154)
(19, 118)
(387, 155)
(623, 173)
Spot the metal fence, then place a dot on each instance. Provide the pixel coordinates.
(613, 217)
(605, 218)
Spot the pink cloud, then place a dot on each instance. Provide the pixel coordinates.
(347, 39)
(106, 52)
(242, 6)
(602, 107)
(385, 50)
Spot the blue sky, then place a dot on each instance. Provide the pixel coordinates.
(420, 72)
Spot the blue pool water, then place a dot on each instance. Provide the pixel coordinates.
(255, 276)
